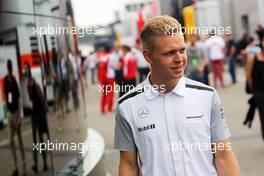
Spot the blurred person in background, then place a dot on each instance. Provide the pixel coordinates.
(231, 56)
(74, 86)
(216, 48)
(63, 69)
(13, 105)
(111, 59)
(129, 65)
(260, 32)
(107, 65)
(119, 77)
(58, 90)
(86, 69)
(201, 44)
(83, 82)
(255, 78)
(142, 64)
(241, 46)
(92, 59)
(251, 50)
(196, 61)
(39, 117)
(102, 72)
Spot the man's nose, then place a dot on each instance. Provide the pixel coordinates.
(177, 57)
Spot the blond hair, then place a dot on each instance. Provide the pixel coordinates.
(157, 26)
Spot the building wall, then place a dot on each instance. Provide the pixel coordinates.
(166, 7)
(235, 9)
(9, 21)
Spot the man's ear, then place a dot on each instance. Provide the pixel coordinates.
(147, 56)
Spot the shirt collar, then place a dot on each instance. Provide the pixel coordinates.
(152, 93)
(179, 89)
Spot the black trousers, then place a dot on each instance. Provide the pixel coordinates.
(259, 97)
(38, 136)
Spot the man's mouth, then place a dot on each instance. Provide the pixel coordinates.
(177, 69)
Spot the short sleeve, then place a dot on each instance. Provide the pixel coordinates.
(218, 125)
(124, 140)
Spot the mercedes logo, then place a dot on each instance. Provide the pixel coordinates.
(143, 112)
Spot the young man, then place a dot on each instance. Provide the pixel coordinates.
(164, 122)
(14, 115)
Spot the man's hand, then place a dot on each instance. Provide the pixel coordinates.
(128, 165)
(226, 162)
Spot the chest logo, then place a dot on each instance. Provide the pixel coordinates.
(195, 116)
(148, 127)
(143, 112)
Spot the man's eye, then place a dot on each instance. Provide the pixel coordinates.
(182, 50)
(169, 53)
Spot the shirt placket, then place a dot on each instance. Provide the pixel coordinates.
(173, 136)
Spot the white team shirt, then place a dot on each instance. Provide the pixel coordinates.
(157, 124)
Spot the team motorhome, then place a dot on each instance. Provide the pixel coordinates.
(18, 23)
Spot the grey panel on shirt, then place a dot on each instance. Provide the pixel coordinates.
(124, 140)
(218, 125)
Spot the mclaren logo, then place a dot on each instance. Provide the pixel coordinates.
(145, 128)
(143, 112)
(195, 116)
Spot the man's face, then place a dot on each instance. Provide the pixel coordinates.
(167, 57)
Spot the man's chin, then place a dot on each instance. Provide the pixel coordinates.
(178, 76)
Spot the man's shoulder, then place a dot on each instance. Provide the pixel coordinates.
(139, 89)
(13, 79)
(191, 84)
(5, 77)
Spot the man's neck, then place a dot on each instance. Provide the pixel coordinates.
(167, 85)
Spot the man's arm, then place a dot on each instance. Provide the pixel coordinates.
(124, 142)
(128, 165)
(225, 160)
